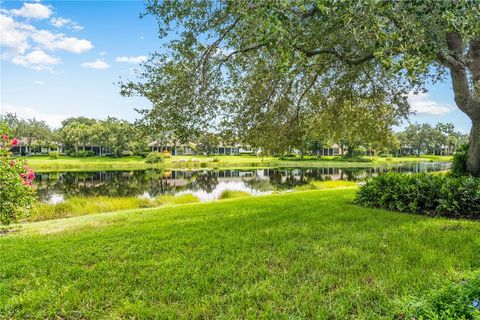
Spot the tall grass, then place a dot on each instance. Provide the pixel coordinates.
(332, 184)
(168, 199)
(77, 206)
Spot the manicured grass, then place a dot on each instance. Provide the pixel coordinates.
(232, 194)
(44, 163)
(302, 255)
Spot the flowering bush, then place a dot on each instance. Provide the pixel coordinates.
(16, 193)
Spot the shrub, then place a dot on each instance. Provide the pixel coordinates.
(154, 157)
(83, 154)
(16, 193)
(386, 155)
(166, 154)
(54, 154)
(353, 159)
(459, 162)
(460, 197)
(454, 300)
(231, 194)
(443, 195)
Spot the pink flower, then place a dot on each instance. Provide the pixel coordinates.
(31, 175)
(14, 142)
(4, 137)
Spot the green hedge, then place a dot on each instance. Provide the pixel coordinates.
(430, 194)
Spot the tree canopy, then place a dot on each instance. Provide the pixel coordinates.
(263, 67)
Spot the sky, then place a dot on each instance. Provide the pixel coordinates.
(64, 58)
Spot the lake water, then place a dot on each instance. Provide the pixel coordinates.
(54, 187)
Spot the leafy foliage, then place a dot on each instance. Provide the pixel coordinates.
(454, 300)
(265, 68)
(54, 154)
(443, 195)
(154, 157)
(16, 193)
(459, 163)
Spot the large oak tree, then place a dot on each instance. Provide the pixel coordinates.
(256, 63)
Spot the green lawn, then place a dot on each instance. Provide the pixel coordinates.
(131, 163)
(301, 255)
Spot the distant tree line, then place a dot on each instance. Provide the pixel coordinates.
(418, 138)
(120, 137)
(117, 136)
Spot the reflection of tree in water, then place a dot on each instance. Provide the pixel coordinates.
(292, 179)
(89, 184)
(206, 181)
(258, 184)
(159, 182)
(353, 174)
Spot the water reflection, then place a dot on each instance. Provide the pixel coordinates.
(206, 184)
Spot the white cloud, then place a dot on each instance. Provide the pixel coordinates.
(421, 104)
(37, 60)
(103, 53)
(53, 120)
(97, 64)
(21, 42)
(39, 83)
(33, 10)
(59, 41)
(138, 59)
(14, 35)
(64, 22)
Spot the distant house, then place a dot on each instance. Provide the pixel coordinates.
(334, 150)
(173, 148)
(186, 149)
(22, 148)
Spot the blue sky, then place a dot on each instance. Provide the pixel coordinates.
(63, 58)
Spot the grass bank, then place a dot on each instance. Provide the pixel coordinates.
(302, 255)
(79, 206)
(44, 163)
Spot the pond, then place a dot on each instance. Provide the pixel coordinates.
(54, 187)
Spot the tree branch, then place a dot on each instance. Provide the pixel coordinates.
(214, 45)
(243, 50)
(348, 60)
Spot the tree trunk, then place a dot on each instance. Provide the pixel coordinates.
(466, 89)
(473, 156)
